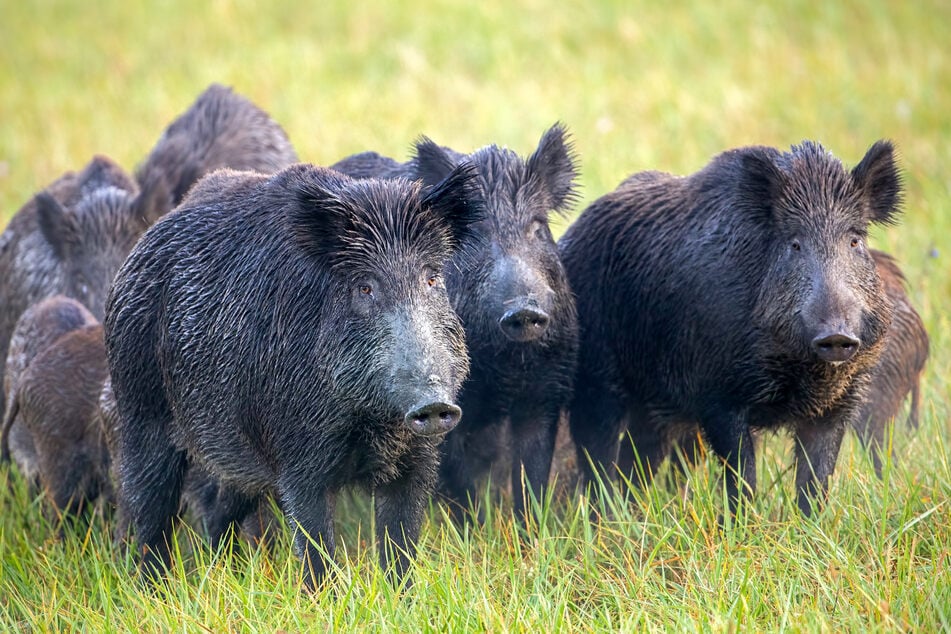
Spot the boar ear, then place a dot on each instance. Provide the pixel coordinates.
(319, 218)
(761, 181)
(876, 177)
(555, 165)
(170, 161)
(56, 224)
(153, 201)
(433, 163)
(458, 199)
(101, 172)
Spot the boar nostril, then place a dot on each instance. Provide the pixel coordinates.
(836, 347)
(433, 418)
(524, 324)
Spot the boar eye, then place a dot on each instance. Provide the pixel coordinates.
(366, 289)
(854, 242)
(431, 275)
(795, 245)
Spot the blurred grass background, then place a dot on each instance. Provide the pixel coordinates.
(641, 85)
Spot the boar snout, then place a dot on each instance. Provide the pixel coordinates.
(524, 323)
(433, 418)
(835, 347)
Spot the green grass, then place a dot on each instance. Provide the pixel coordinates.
(641, 86)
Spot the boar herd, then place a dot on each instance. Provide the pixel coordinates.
(230, 326)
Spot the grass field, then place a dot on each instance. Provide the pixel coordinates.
(641, 85)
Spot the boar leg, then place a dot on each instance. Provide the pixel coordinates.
(258, 526)
(691, 449)
(400, 506)
(151, 472)
(228, 511)
(467, 454)
(310, 512)
(817, 449)
(67, 479)
(533, 445)
(596, 421)
(912, 422)
(642, 449)
(871, 434)
(730, 438)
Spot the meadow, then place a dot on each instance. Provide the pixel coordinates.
(641, 85)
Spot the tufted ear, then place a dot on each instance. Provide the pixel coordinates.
(876, 177)
(761, 182)
(56, 224)
(102, 171)
(458, 200)
(167, 174)
(319, 218)
(433, 163)
(153, 201)
(555, 167)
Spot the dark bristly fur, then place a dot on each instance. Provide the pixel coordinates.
(283, 333)
(55, 244)
(215, 509)
(513, 265)
(57, 398)
(72, 237)
(38, 327)
(898, 372)
(707, 301)
(221, 129)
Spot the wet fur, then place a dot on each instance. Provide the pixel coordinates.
(38, 327)
(72, 237)
(689, 309)
(516, 390)
(898, 373)
(240, 340)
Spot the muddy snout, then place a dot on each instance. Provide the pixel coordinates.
(431, 418)
(835, 347)
(524, 322)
